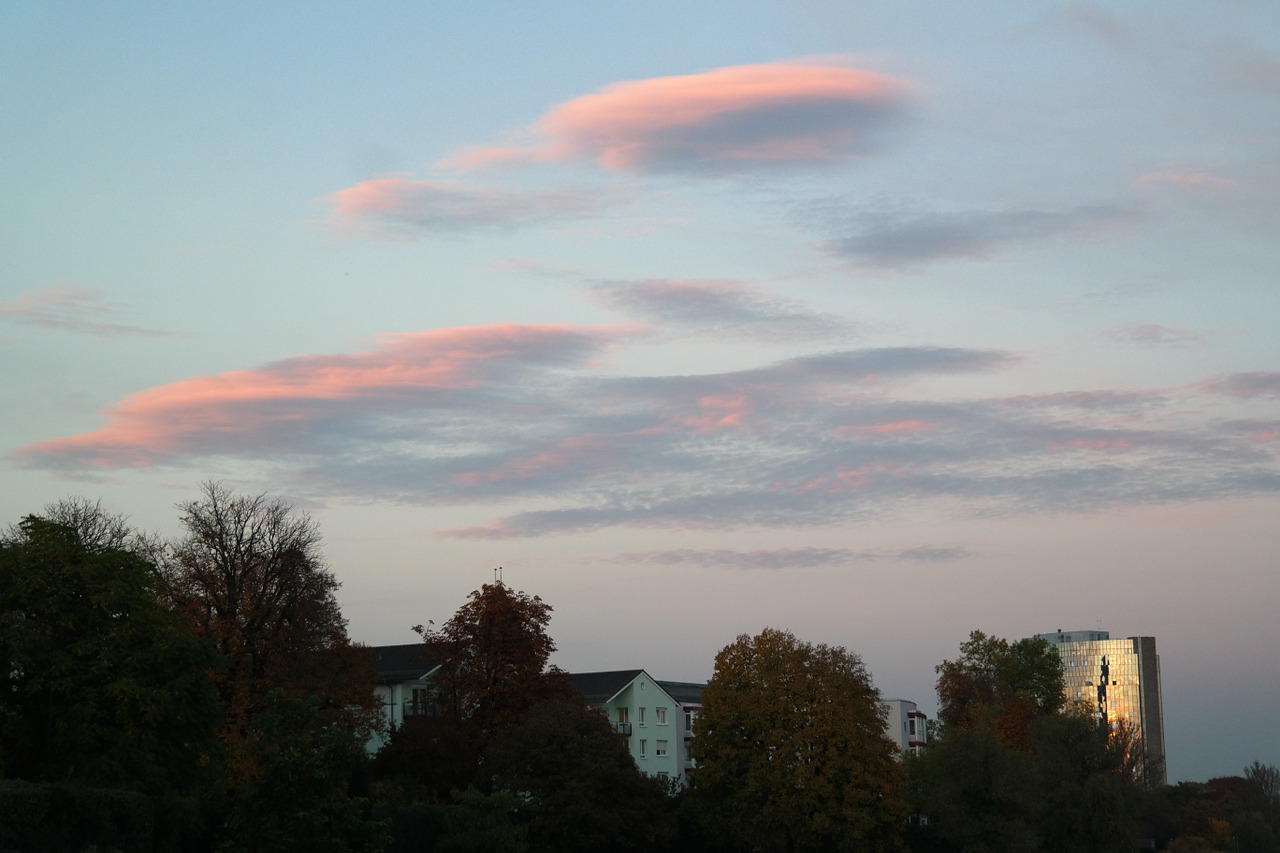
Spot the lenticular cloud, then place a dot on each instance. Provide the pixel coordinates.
(724, 120)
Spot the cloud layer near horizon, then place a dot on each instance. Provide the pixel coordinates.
(526, 414)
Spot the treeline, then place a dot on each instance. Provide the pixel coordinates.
(203, 694)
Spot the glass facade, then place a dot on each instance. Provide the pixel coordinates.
(1117, 680)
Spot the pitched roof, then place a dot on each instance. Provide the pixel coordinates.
(686, 692)
(403, 663)
(600, 687)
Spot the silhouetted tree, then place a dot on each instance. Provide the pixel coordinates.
(249, 576)
(99, 683)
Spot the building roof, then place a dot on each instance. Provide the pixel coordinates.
(599, 687)
(403, 663)
(685, 692)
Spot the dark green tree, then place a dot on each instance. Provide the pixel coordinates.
(577, 786)
(792, 752)
(300, 798)
(1011, 767)
(99, 683)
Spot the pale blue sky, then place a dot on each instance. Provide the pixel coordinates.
(878, 322)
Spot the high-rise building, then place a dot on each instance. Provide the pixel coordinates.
(1120, 681)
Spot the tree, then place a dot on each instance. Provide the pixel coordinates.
(1012, 767)
(792, 752)
(1016, 682)
(577, 786)
(249, 576)
(298, 697)
(495, 651)
(99, 683)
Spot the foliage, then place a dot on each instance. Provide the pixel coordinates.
(100, 683)
(1011, 768)
(300, 798)
(249, 576)
(57, 817)
(791, 749)
(579, 789)
(495, 651)
(468, 822)
(1007, 684)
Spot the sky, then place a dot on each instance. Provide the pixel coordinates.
(878, 322)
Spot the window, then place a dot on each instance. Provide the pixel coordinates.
(623, 717)
(660, 749)
(911, 726)
(641, 716)
(662, 774)
(688, 720)
(642, 745)
(660, 716)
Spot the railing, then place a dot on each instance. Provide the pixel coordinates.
(623, 729)
(421, 709)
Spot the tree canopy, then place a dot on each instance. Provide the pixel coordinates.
(792, 752)
(99, 682)
(1014, 768)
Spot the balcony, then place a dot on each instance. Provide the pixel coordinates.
(623, 729)
(420, 709)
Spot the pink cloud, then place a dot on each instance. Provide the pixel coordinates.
(278, 403)
(881, 430)
(721, 120)
(717, 412)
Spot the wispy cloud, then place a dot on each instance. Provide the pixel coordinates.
(791, 558)
(902, 240)
(723, 121)
(405, 207)
(1153, 335)
(728, 307)
(1198, 181)
(1255, 384)
(531, 418)
(73, 309)
(299, 404)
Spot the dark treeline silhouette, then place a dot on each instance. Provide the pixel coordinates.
(202, 694)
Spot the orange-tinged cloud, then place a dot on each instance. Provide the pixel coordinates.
(266, 405)
(721, 120)
(880, 430)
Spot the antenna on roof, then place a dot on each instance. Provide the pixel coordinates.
(497, 575)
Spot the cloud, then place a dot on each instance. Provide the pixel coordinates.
(73, 309)
(1152, 335)
(790, 558)
(292, 404)
(533, 420)
(888, 240)
(721, 121)
(404, 207)
(715, 306)
(1257, 384)
(1194, 181)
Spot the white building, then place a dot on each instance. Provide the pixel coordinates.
(906, 725)
(655, 717)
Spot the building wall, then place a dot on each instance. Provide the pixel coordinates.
(1117, 680)
(906, 725)
(657, 728)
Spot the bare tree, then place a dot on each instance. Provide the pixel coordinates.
(250, 576)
